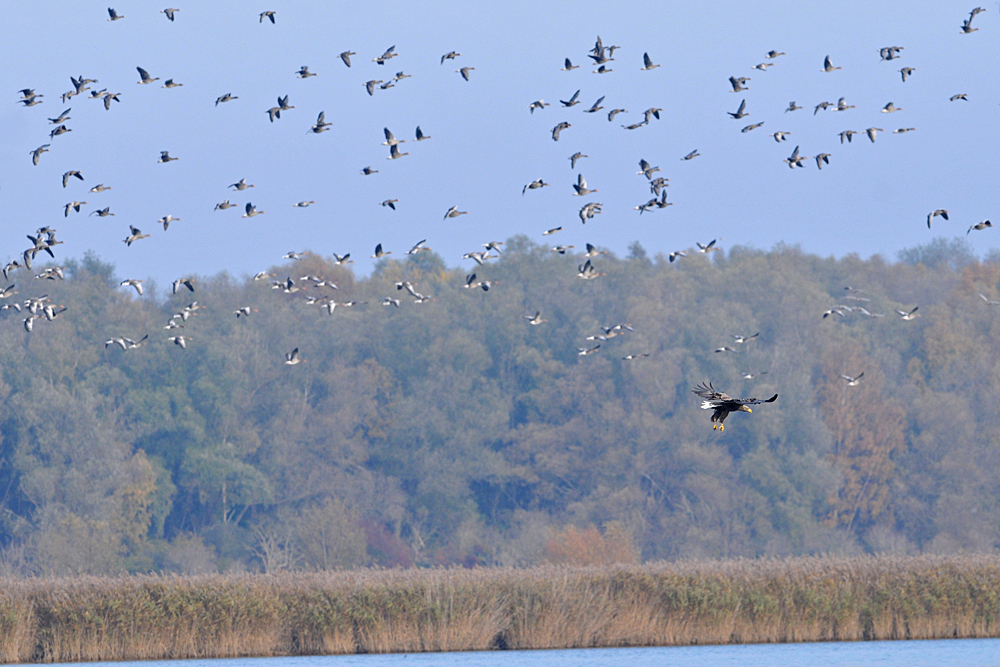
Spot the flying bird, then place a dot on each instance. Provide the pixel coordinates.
(267, 15)
(853, 381)
(933, 214)
(169, 13)
(828, 65)
(979, 227)
(722, 404)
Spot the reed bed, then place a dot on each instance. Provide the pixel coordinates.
(380, 611)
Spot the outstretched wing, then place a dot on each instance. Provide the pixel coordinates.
(755, 401)
(712, 397)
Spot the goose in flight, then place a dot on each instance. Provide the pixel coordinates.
(346, 57)
(391, 203)
(933, 214)
(70, 174)
(342, 260)
(979, 227)
(451, 55)
(165, 157)
(573, 101)
(170, 83)
(74, 205)
(62, 118)
(102, 212)
(871, 132)
(574, 157)
(692, 155)
(166, 220)
(222, 206)
(584, 351)
(705, 249)
(180, 341)
(907, 316)
(581, 187)
(772, 54)
(647, 63)
(321, 124)
(853, 381)
(907, 71)
(37, 153)
(418, 247)
(169, 13)
(304, 72)
(135, 234)
(821, 158)
(562, 249)
(780, 136)
(62, 129)
(568, 65)
(538, 104)
(228, 97)
(724, 349)
(749, 376)
(391, 140)
(453, 212)
(267, 15)
(251, 211)
(737, 83)
(960, 96)
(844, 106)
(421, 136)
(847, 134)
(744, 339)
(549, 232)
(144, 76)
(588, 211)
(741, 112)
(240, 185)
(586, 271)
(615, 112)
(389, 301)
(752, 126)
(394, 153)
(763, 66)
(646, 169)
(792, 107)
(828, 65)
(534, 185)
(796, 160)
(603, 69)
(132, 282)
(379, 253)
(465, 72)
(890, 107)
(596, 106)
(389, 54)
(370, 86)
(368, 171)
(115, 16)
(536, 319)
(988, 300)
(593, 251)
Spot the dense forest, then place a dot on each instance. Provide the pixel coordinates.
(455, 431)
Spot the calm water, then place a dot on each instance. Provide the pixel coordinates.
(949, 652)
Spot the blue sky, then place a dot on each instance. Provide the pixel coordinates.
(872, 198)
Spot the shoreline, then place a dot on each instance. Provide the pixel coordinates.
(801, 599)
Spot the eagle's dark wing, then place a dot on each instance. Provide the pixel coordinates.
(708, 392)
(755, 401)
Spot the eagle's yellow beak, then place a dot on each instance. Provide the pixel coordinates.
(749, 410)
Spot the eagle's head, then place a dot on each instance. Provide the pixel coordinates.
(744, 408)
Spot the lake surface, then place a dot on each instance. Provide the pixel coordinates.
(950, 652)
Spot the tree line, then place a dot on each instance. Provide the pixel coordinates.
(455, 432)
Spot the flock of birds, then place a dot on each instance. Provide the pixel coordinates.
(317, 290)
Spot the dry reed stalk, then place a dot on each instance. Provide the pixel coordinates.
(768, 600)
